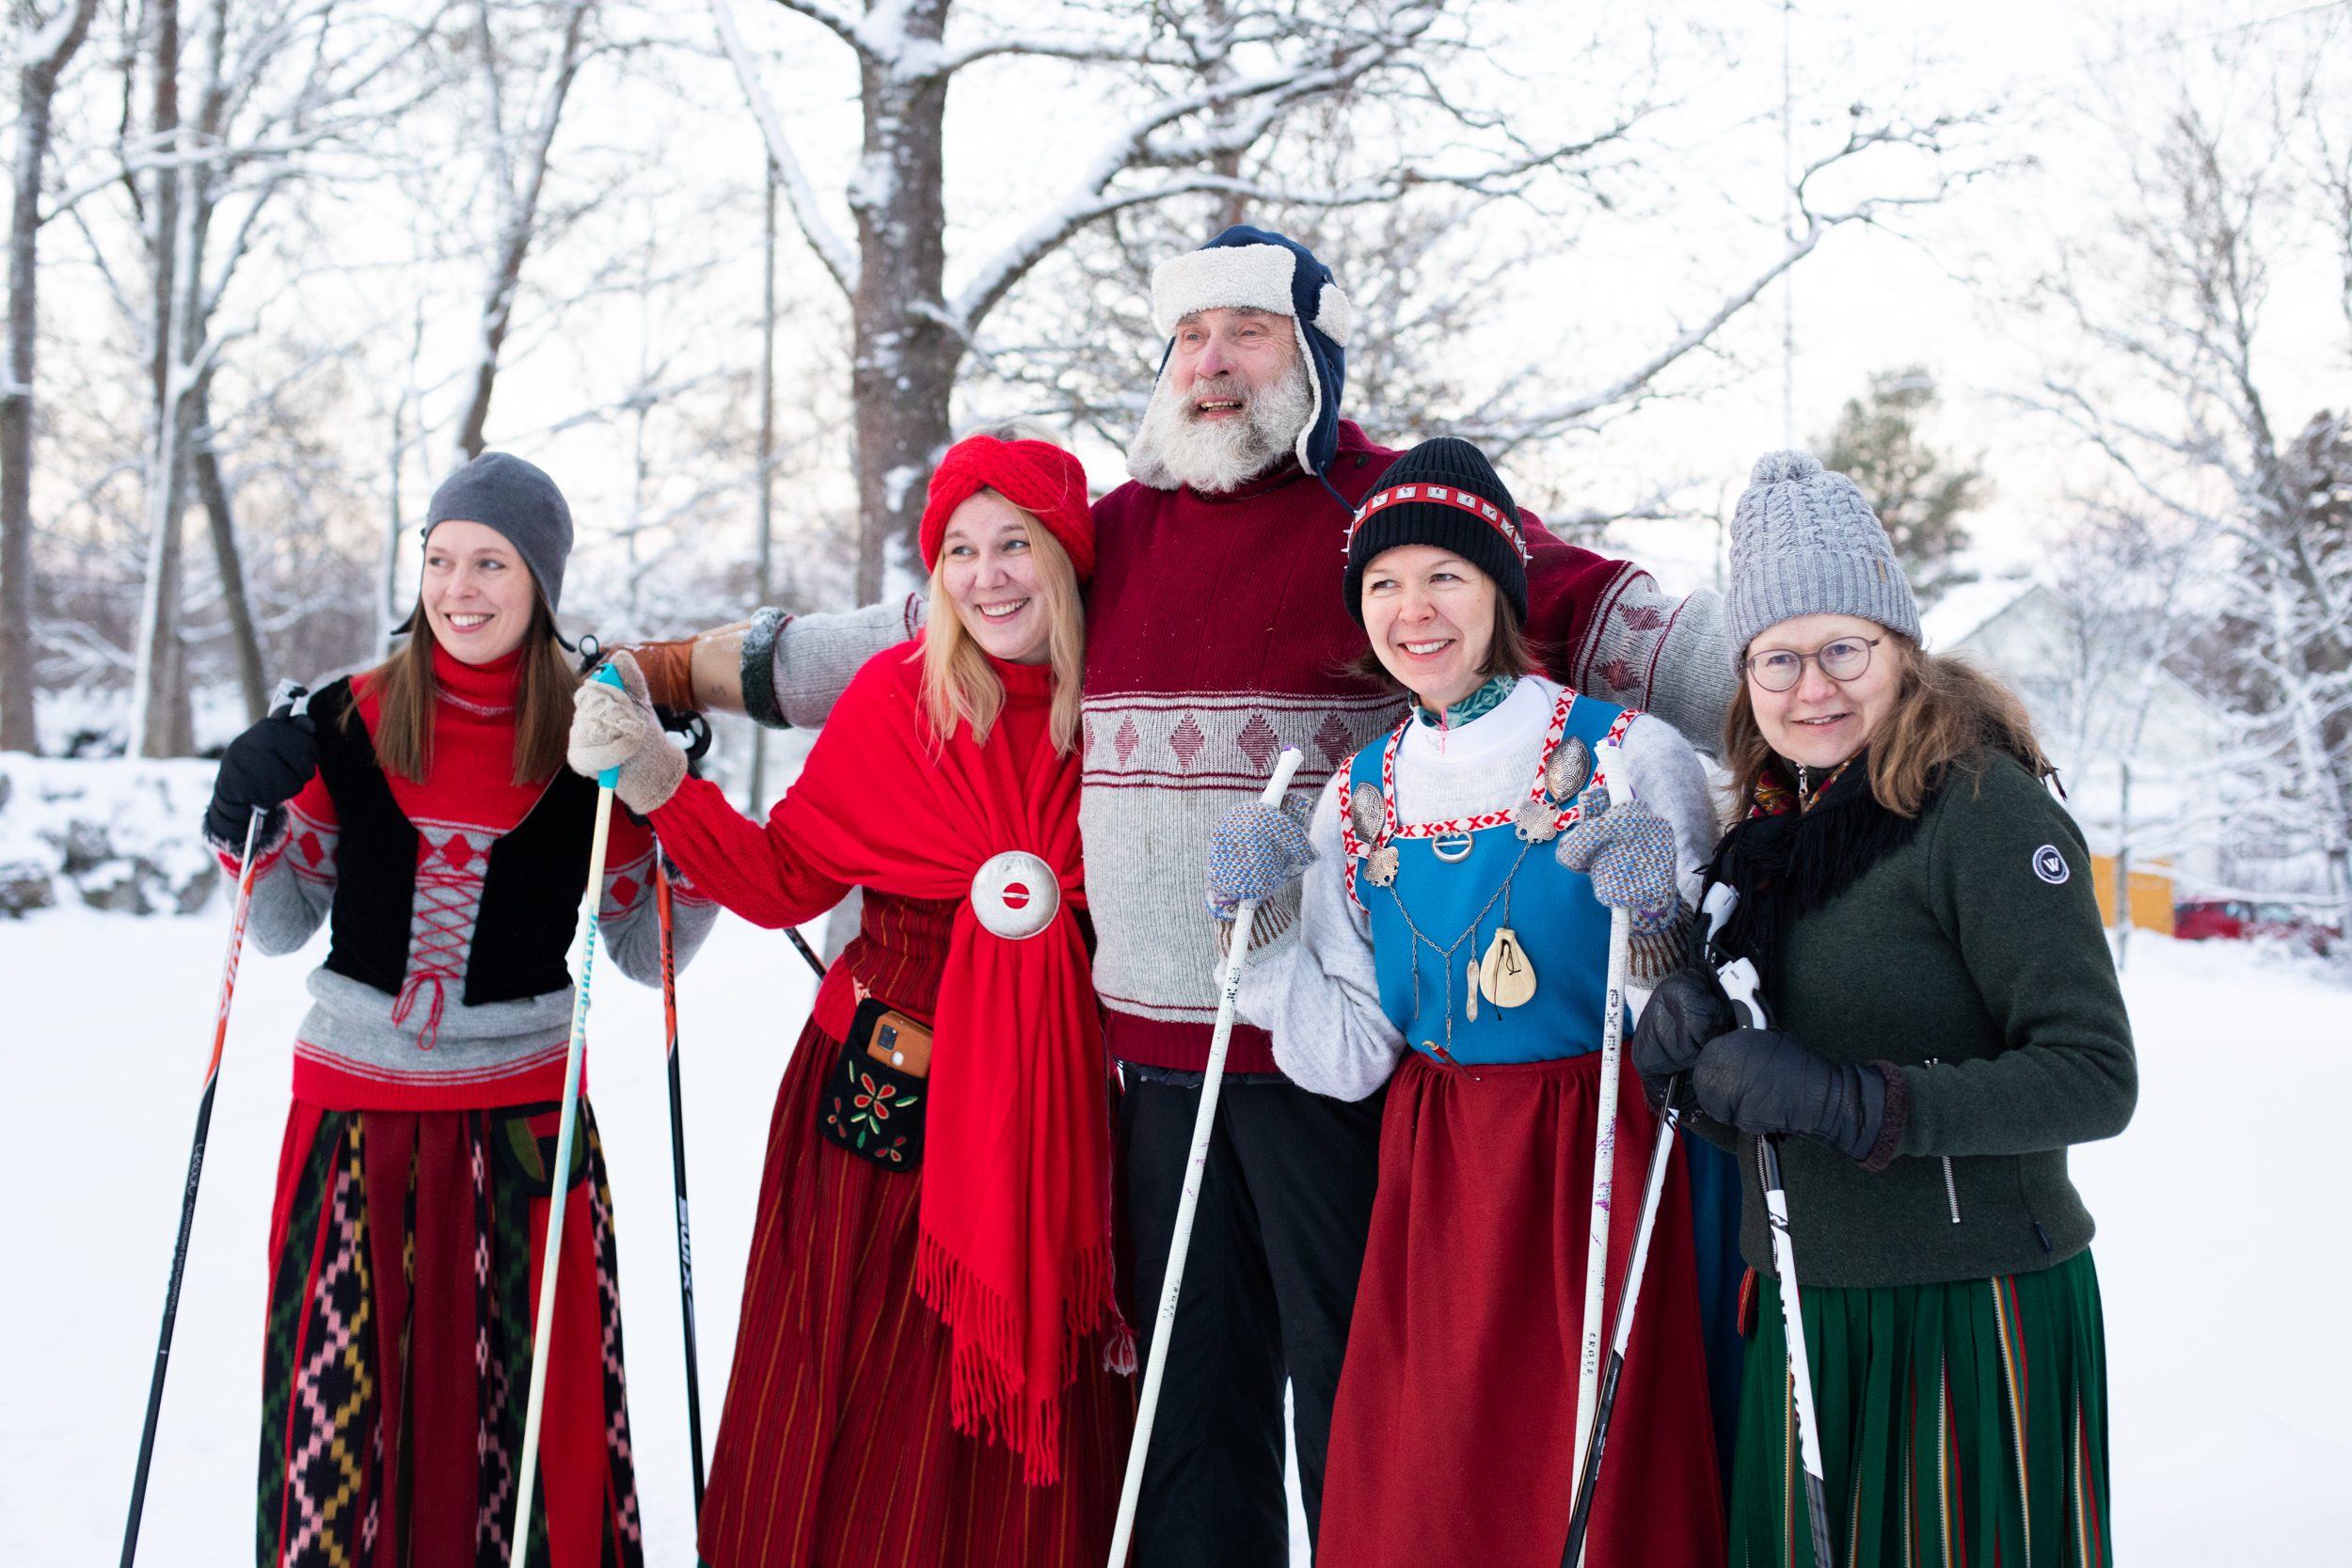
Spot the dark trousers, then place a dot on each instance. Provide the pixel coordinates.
(1269, 1286)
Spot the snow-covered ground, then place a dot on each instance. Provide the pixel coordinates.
(2221, 1247)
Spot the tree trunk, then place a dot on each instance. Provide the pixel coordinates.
(159, 694)
(755, 796)
(251, 676)
(2122, 860)
(36, 88)
(16, 424)
(904, 369)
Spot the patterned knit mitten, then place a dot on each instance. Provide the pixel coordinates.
(1629, 851)
(1255, 852)
(619, 729)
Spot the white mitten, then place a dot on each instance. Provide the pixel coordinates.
(616, 727)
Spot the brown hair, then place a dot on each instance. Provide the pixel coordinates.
(1947, 714)
(956, 681)
(406, 688)
(1510, 652)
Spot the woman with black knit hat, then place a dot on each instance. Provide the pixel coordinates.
(1944, 1023)
(423, 810)
(930, 1368)
(1460, 874)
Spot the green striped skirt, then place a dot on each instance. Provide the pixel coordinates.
(1961, 1423)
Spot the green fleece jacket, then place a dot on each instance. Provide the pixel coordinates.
(1973, 959)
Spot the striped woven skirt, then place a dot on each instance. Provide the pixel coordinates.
(1961, 1423)
(834, 1447)
(405, 1249)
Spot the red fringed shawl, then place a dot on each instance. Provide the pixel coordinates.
(1014, 1254)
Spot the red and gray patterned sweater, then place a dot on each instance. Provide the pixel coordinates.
(423, 1048)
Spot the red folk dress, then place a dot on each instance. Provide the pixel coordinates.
(410, 1221)
(835, 1446)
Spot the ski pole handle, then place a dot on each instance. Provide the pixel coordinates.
(607, 675)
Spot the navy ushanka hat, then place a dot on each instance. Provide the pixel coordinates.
(1247, 268)
(1443, 493)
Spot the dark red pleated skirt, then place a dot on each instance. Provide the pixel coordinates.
(1452, 1440)
(834, 1449)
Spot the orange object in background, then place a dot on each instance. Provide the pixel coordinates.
(2152, 895)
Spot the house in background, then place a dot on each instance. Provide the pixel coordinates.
(2019, 629)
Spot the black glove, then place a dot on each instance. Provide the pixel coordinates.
(1688, 1009)
(1768, 1080)
(262, 770)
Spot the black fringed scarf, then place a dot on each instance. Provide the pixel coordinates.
(1786, 861)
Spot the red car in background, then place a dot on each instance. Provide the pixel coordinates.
(2240, 919)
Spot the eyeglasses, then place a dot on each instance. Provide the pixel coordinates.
(1778, 668)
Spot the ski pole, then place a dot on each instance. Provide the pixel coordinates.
(1717, 909)
(697, 731)
(677, 1175)
(288, 695)
(1588, 1482)
(1799, 1368)
(1204, 1122)
(1604, 1157)
(559, 1175)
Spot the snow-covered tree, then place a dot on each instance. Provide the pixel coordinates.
(1916, 490)
(2174, 386)
(45, 45)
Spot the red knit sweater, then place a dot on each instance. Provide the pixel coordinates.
(467, 802)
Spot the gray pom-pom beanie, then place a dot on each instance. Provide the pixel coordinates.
(1804, 542)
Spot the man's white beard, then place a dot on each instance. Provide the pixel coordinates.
(1175, 446)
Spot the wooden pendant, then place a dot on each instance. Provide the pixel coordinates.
(1506, 976)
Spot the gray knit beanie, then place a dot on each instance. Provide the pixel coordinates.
(1804, 542)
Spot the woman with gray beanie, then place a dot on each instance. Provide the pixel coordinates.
(422, 812)
(1944, 1022)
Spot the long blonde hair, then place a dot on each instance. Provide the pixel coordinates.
(957, 682)
(1946, 713)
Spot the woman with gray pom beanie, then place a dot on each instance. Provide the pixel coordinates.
(1943, 1023)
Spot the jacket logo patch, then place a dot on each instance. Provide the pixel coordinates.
(2050, 865)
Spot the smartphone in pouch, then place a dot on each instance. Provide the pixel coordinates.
(874, 1102)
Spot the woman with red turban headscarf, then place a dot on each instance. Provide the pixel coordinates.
(931, 1368)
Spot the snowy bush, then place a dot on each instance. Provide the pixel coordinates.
(124, 835)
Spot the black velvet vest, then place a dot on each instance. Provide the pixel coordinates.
(531, 891)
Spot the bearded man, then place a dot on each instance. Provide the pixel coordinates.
(1215, 636)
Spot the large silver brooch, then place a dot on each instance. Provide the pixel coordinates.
(1015, 895)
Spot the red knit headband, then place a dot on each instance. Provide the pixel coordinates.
(1036, 476)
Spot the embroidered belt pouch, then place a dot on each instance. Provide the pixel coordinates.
(873, 1104)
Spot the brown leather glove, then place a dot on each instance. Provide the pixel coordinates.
(668, 669)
